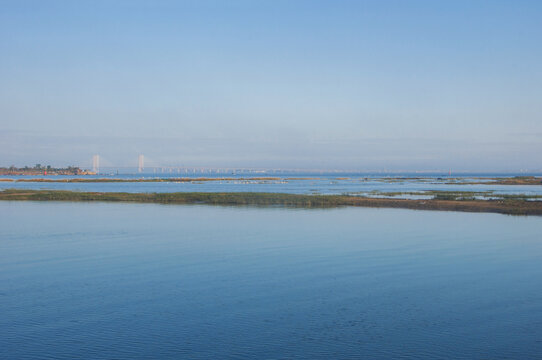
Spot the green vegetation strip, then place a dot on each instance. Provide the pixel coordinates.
(506, 206)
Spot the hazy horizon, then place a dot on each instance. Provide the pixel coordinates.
(387, 85)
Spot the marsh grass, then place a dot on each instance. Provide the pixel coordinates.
(511, 206)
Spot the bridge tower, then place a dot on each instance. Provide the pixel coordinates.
(96, 163)
(140, 163)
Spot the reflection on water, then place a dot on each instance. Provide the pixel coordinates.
(143, 281)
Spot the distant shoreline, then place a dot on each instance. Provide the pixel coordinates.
(43, 170)
(508, 207)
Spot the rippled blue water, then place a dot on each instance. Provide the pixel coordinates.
(145, 281)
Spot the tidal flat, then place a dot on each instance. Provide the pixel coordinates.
(454, 202)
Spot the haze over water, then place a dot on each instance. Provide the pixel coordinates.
(143, 281)
(319, 84)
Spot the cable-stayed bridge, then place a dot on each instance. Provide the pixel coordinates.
(144, 165)
(148, 166)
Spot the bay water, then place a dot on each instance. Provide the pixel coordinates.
(148, 281)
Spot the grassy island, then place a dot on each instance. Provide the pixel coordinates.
(502, 206)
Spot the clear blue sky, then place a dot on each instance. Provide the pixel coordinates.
(310, 84)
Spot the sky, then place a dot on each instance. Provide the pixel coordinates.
(365, 85)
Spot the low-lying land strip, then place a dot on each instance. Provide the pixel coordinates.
(518, 180)
(448, 195)
(506, 206)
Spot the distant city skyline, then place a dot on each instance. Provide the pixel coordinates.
(368, 85)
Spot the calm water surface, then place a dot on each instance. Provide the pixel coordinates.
(295, 184)
(144, 281)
